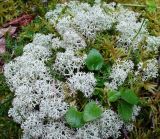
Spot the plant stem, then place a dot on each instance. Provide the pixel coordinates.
(136, 5)
(134, 38)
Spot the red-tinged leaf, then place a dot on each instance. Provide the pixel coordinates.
(11, 30)
(2, 45)
(21, 21)
(25, 22)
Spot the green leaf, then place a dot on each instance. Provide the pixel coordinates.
(113, 96)
(94, 60)
(91, 112)
(74, 118)
(129, 96)
(151, 6)
(125, 110)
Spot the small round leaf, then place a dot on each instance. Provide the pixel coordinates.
(94, 60)
(125, 110)
(74, 118)
(129, 96)
(113, 96)
(91, 112)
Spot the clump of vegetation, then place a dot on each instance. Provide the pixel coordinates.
(101, 55)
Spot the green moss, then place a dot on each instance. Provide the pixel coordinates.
(8, 128)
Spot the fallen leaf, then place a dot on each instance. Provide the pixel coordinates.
(23, 20)
(11, 30)
(2, 45)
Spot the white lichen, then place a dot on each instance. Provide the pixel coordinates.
(84, 82)
(150, 70)
(108, 125)
(67, 63)
(119, 73)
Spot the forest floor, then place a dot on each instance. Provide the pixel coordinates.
(21, 19)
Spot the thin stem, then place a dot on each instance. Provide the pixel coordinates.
(137, 5)
(139, 30)
(134, 38)
(134, 5)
